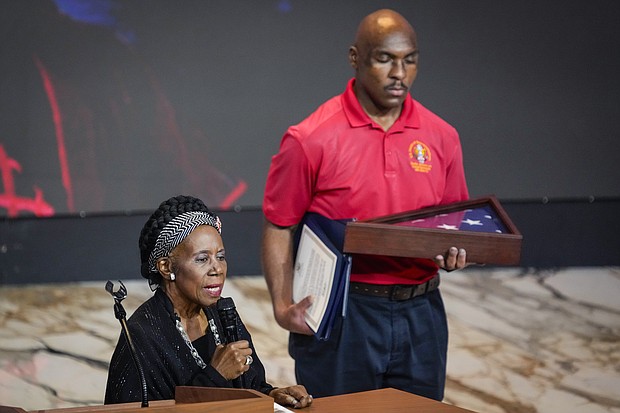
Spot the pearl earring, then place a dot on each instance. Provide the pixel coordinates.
(172, 276)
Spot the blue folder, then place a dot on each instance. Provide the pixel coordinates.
(331, 233)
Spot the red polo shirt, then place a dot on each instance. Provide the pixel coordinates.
(341, 164)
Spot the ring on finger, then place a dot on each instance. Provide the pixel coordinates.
(249, 360)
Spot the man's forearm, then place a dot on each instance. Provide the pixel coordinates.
(277, 259)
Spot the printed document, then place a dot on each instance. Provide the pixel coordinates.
(315, 266)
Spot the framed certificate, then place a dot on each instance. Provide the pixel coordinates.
(480, 226)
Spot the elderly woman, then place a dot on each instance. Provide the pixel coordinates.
(177, 332)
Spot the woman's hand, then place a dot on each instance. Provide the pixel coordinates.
(231, 361)
(295, 396)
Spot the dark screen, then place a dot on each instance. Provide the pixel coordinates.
(111, 106)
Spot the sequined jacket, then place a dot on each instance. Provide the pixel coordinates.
(166, 359)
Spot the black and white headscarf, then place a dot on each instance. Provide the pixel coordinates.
(177, 230)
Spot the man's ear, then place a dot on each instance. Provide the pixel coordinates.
(353, 57)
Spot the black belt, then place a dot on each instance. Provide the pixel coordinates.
(395, 292)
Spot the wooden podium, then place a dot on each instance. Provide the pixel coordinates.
(207, 399)
(383, 400)
(186, 400)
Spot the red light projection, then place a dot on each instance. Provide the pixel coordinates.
(60, 135)
(13, 203)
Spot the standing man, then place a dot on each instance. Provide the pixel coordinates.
(368, 152)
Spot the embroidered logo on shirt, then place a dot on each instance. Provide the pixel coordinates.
(420, 157)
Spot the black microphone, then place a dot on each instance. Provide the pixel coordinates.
(228, 318)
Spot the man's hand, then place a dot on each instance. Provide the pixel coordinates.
(293, 317)
(277, 254)
(455, 259)
(295, 396)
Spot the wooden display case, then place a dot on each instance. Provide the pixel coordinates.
(480, 226)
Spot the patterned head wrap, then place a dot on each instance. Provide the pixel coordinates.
(177, 230)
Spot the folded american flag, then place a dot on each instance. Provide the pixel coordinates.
(481, 219)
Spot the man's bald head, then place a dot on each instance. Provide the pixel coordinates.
(375, 27)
